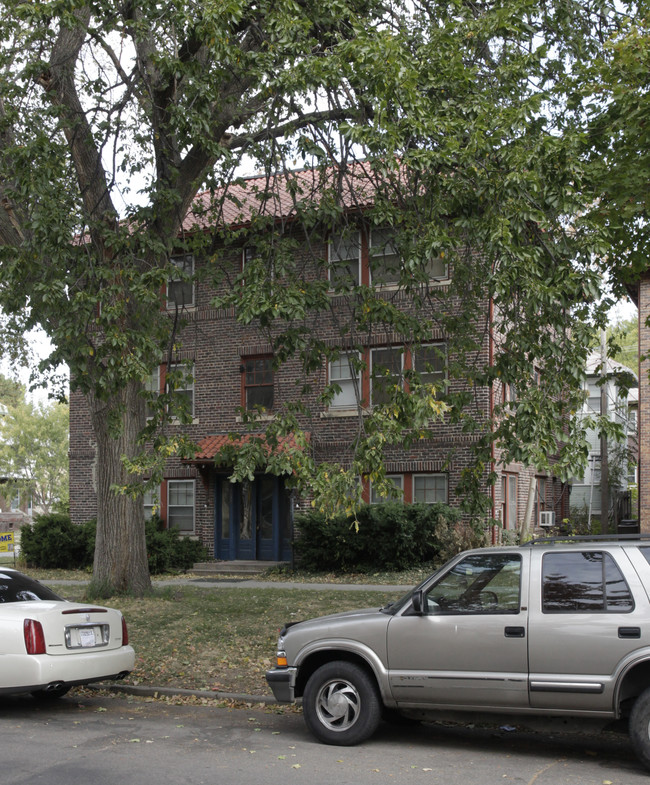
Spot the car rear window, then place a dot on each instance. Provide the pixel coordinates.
(584, 581)
(15, 587)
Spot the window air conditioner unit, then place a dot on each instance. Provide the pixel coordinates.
(547, 518)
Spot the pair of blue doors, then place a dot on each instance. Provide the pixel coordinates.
(252, 519)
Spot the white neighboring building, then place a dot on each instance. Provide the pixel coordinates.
(586, 491)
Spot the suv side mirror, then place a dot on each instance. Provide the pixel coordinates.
(419, 603)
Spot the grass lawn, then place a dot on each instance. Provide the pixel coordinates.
(221, 639)
(218, 639)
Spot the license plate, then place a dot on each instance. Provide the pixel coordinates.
(87, 637)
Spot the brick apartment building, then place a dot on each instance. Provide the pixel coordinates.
(231, 367)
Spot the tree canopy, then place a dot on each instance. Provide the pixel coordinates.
(114, 114)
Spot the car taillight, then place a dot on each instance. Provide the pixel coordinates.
(34, 637)
(125, 632)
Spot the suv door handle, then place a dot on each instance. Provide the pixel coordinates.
(629, 632)
(515, 632)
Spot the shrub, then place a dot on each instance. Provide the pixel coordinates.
(389, 536)
(167, 550)
(54, 542)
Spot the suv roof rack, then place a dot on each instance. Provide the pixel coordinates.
(585, 538)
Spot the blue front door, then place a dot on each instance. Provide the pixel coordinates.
(252, 519)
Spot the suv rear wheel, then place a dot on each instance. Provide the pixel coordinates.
(640, 727)
(341, 704)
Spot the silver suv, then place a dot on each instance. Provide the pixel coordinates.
(555, 627)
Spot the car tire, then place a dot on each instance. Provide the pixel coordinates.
(639, 727)
(341, 704)
(50, 695)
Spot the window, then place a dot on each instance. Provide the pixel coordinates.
(509, 501)
(180, 287)
(151, 503)
(480, 583)
(180, 505)
(578, 582)
(248, 254)
(430, 488)
(430, 362)
(183, 383)
(258, 382)
(384, 260)
(386, 373)
(397, 481)
(594, 399)
(152, 389)
(540, 498)
(436, 268)
(343, 372)
(344, 260)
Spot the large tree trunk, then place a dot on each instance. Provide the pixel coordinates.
(120, 564)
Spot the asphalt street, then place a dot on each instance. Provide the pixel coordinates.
(90, 738)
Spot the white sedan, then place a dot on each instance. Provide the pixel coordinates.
(48, 645)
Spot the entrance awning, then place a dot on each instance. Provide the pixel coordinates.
(210, 447)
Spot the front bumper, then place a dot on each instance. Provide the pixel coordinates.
(282, 682)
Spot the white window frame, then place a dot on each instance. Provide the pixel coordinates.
(349, 384)
(152, 386)
(151, 503)
(188, 376)
(431, 377)
(398, 482)
(437, 476)
(383, 237)
(373, 353)
(347, 241)
(171, 485)
(181, 262)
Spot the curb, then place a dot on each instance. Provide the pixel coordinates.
(153, 692)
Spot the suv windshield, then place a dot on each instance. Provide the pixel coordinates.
(15, 587)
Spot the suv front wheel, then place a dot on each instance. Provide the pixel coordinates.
(341, 704)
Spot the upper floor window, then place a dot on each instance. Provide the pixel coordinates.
(430, 488)
(180, 505)
(384, 259)
(386, 373)
(152, 388)
(258, 382)
(180, 286)
(430, 361)
(183, 382)
(343, 372)
(345, 260)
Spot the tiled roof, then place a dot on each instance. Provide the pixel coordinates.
(276, 195)
(209, 447)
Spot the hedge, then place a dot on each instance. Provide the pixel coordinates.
(388, 536)
(54, 542)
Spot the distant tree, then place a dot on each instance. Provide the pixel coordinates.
(624, 342)
(12, 393)
(34, 452)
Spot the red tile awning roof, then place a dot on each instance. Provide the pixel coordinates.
(210, 447)
(276, 196)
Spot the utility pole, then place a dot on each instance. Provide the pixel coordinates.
(604, 467)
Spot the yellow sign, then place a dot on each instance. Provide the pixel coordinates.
(6, 541)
